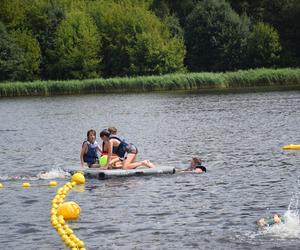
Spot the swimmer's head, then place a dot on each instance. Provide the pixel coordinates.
(196, 160)
(261, 222)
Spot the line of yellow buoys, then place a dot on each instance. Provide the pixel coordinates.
(28, 185)
(62, 211)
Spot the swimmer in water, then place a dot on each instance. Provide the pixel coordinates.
(195, 166)
(276, 219)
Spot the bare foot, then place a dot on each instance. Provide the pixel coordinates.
(149, 164)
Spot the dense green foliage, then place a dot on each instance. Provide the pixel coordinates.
(263, 46)
(76, 48)
(79, 39)
(259, 79)
(136, 42)
(215, 37)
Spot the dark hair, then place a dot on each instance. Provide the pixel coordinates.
(104, 132)
(113, 130)
(91, 131)
(197, 160)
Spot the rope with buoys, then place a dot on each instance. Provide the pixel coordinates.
(28, 185)
(62, 211)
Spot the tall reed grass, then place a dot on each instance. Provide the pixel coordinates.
(253, 79)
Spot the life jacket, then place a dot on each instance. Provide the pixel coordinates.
(91, 156)
(121, 149)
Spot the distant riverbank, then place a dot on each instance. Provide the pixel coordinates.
(273, 79)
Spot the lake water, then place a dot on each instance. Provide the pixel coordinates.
(238, 135)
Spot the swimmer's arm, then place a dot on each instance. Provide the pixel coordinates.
(180, 170)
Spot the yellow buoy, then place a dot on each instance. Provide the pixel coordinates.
(69, 210)
(1, 185)
(78, 178)
(26, 185)
(52, 184)
(292, 147)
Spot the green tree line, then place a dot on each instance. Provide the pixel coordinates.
(84, 39)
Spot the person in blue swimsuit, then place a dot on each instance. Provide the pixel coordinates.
(90, 151)
(126, 152)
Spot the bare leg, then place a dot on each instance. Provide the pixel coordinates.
(118, 164)
(149, 164)
(129, 163)
(114, 161)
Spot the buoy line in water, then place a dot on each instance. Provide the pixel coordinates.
(62, 211)
(28, 185)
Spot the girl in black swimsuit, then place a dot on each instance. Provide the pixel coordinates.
(127, 152)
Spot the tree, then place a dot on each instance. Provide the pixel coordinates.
(10, 56)
(43, 19)
(135, 41)
(76, 49)
(179, 8)
(255, 9)
(29, 67)
(153, 55)
(263, 46)
(13, 12)
(215, 37)
(288, 25)
(19, 55)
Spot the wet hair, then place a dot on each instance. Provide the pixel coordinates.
(91, 131)
(113, 130)
(104, 132)
(197, 160)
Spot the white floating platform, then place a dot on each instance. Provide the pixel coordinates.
(96, 173)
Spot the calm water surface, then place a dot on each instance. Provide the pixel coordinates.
(238, 135)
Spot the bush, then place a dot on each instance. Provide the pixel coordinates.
(215, 37)
(263, 46)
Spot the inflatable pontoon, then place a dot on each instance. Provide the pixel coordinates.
(98, 173)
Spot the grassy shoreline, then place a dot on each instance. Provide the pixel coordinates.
(275, 79)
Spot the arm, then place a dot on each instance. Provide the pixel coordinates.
(110, 149)
(99, 148)
(82, 152)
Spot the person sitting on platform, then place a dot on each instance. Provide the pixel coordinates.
(126, 152)
(115, 161)
(90, 151)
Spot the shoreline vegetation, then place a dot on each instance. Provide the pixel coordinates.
(254, 79)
